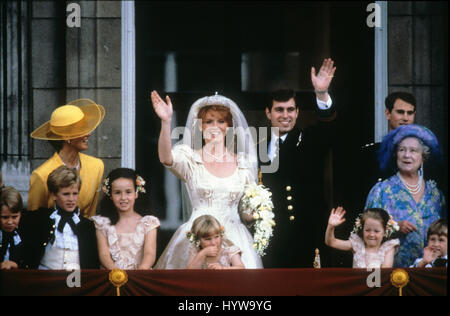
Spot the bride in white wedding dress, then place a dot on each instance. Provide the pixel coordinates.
(215, 169)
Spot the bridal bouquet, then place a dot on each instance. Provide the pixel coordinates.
(257, 202)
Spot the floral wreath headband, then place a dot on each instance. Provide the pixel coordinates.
(193, 238)
(391, 226)
(140, 182)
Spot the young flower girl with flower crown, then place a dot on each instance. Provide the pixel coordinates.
(209, 248)
(370, 239)
(126, 234)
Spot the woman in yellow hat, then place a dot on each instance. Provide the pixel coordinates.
(68, 131)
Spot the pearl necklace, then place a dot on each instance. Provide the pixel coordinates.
(216, 158)
(413, 189)
(77, 167)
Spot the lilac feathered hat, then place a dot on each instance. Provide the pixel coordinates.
(391, 140)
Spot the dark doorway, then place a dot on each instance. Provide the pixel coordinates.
(239, 49)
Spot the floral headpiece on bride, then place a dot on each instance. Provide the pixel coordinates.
(215, 99)
(245, 144)
(140, 182)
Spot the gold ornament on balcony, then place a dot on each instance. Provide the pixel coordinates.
(399, 279)
(118, 278)
(316, 263)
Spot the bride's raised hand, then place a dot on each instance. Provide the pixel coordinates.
(164, 110)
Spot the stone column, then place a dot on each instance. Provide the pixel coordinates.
(68, 63)
(14, 100)
(93, 71)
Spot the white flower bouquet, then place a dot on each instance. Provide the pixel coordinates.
(257, 202)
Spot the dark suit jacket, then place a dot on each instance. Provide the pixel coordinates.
(38, 230)
(368, 173)
(15, 254)
(298, 195)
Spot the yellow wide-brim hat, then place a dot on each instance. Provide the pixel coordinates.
(75, 119)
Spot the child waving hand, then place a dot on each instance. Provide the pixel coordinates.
(370, 241)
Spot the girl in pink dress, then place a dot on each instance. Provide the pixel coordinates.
(370, 239)
(126, 235)
(209, 248)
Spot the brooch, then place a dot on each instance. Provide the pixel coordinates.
(299, 139)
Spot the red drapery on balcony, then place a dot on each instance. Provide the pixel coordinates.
(259, 282)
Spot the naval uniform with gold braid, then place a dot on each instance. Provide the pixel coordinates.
(298, 196)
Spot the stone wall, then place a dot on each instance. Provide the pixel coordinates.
(418, 59)
(15, 94)
(418, 63)
(79, 62)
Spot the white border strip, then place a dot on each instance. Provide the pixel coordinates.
(381, 72)
(128, 85)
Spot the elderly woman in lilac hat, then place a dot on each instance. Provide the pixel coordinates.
(413, 201)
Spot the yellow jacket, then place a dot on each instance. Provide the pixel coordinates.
(91, 173)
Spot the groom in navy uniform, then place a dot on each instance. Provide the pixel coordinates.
(297, 185)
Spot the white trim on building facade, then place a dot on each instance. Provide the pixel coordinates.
(128, 85)
(381, 72)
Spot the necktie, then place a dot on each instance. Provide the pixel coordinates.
(67, 218)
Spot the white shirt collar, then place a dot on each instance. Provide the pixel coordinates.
(16, 237)
(274, 137)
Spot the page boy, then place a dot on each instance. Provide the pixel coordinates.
(11, 207)
(435, 253)
(60, 238)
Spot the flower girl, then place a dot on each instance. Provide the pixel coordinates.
(370, 239)
(209, 248)
(126, 235)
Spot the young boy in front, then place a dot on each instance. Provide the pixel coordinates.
(435, 253)
(60, 238)
(11, 207)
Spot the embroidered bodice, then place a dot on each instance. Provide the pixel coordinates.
(126, 249)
